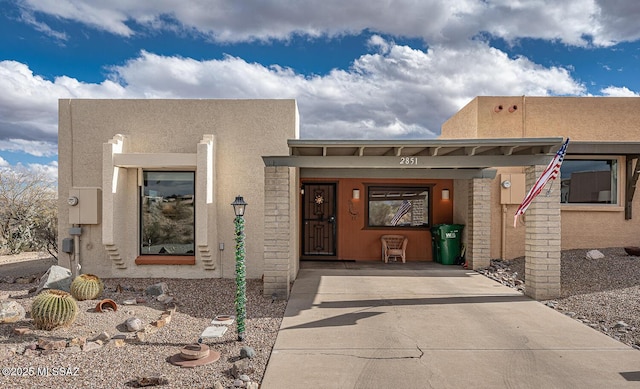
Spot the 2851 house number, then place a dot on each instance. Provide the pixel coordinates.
(408, 160)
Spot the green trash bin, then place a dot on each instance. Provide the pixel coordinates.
(449, 243)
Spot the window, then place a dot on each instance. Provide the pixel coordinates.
(398, 207)
(167, 213)
(589, 181)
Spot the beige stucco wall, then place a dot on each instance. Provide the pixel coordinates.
(579, 118)
(243, 131)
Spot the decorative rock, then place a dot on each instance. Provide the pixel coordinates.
(103, 337)
(133, 324)
(31, 353)
(252, 385)
(80, 341)
(244, 378)
(157, 289)
(72, 350)
(241, 367)
(159, 323)
(247, 352)
(141, 300)
(238, 384)
(217, 385)
(57, 277)
(594, 254)
(11, 312)
(129, 302)
(90, 346)
(47, 344)
(621, 324)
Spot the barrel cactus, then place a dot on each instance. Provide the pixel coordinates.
(53, 308)
(86, 287)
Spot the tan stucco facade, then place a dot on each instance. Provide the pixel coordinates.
(593, 119)
(104, 145)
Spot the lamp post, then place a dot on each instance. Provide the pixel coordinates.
(239, 206)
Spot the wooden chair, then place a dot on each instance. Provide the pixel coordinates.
(394, 246)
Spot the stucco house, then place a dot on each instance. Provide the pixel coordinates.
(145, 186)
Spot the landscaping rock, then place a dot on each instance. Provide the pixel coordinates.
(11, 312)
(247, 352)
(241, 367)
(157, 289)
(48, 344)
(57, 277)
(594, 254)
(133, 324)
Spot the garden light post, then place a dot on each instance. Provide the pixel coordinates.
(239, 206)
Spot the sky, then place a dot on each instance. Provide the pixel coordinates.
(359, 69)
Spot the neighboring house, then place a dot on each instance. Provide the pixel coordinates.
(155, 180)
(598, 176)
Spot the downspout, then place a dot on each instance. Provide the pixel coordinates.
(503, 245)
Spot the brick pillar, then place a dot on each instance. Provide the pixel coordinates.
(542, 240)
(277, 223)
(478, 252)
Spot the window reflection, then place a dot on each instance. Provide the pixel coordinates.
(167, 213)
(589, 181)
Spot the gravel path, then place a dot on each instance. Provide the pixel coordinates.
(602, 293)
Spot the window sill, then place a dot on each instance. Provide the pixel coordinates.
(166, 260)
(592, 208)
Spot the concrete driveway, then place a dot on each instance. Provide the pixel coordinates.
(425, 325)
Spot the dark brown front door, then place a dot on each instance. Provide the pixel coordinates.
(319, 220)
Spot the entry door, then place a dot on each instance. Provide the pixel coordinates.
(319, 220)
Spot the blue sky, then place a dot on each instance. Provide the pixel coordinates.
(358, 69)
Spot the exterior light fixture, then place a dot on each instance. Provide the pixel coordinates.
(239, 206)
(356, 194)
(445, 194)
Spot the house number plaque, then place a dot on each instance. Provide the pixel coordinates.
(408, 160)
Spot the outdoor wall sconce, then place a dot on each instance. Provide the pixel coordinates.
(445, 194)
(355, 194)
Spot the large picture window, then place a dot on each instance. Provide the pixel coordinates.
(167, 213)
(589, 181)
(398, 207)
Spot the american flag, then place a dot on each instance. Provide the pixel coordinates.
(404, 208)
(550, 173)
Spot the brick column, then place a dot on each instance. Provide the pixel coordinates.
(542, 240)
(277, 223)
(478, 252)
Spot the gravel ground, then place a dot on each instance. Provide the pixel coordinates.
(602, 293)
(198, 302)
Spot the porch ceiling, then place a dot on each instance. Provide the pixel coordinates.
(417, 154)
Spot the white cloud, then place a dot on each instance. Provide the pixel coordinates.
(574, 22)
(29, 106)
(614, 91)
(396, 92)
(3, 162)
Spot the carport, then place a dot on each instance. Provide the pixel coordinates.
(469, 163)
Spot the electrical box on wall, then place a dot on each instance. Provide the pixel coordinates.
(85, 205)
(512, 188)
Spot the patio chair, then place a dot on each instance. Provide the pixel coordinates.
(394, 246)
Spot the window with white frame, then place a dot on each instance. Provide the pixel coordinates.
(167, 217)
(589, 181)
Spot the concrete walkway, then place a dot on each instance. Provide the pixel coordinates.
(432, 326)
